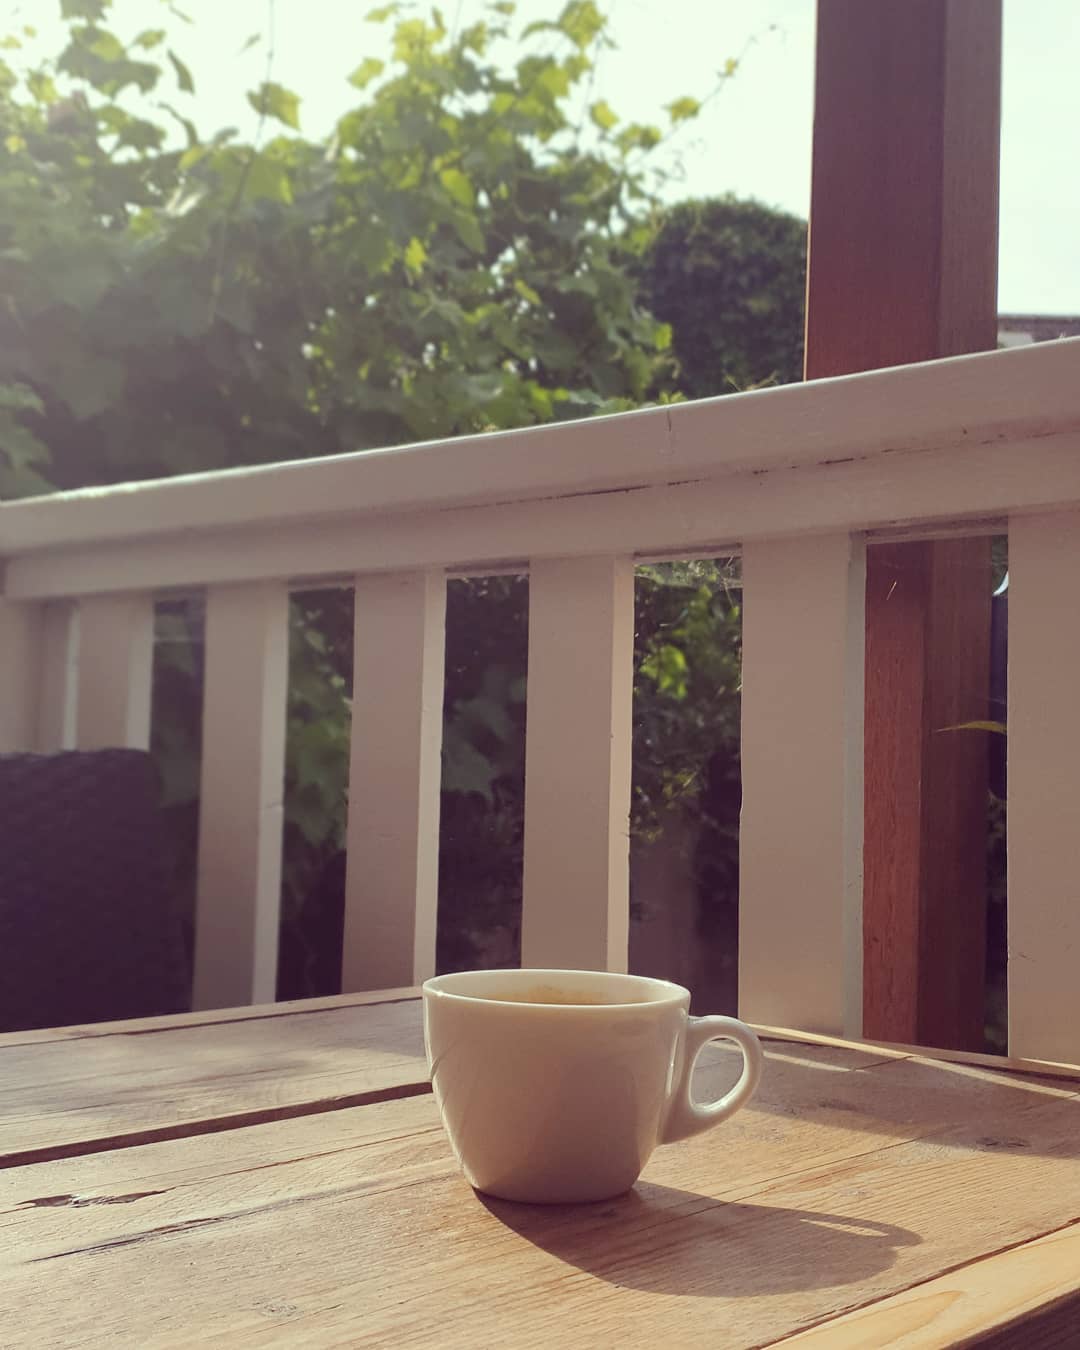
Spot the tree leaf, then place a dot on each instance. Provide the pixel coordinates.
(602, 115)
(140, 134)
(368, 69)
(581, 21)
(21, 448)
(683, 109)
(150, 38)
(268, 179)
(183, 75)
(191, 156)
(468, 230)
(83, 9)
(998, 728)
(464, 768)
(22, 482)
(373, 249)
(415, 256)
(20, 398)
(526, 291)
(381, 14)
(41, 87)
(459, 187)
(91, 386)
(274, 100)
(190, 131)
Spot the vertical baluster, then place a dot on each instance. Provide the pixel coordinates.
(1044, 785)
(394, 781)
(21, 627)
(59, 675)
(577, 763)
(800, 910)
(115, 668)
(240, 808)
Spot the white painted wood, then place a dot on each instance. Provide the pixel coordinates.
(392, 879)
(116, 662)
(240, 806)
(800, 869)
(59, 676)
(885, 492)
(956, 404)
(20, 674)
(1044, 787)
(577, 764)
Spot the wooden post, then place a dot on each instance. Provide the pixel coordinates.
(902, 268)
(392, 868)
(576, 905)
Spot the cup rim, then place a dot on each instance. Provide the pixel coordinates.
(668, 992)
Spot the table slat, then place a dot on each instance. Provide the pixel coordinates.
(207, 1017)
(150, 1081)
(1028, 1296)
(850, 1180)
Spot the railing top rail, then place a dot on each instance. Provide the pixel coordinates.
(1019, 395)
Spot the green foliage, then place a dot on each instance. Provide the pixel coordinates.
(688, 655)
(454, 257)
(449, 260)
(730, 276)
(274, 100)
(482, 819)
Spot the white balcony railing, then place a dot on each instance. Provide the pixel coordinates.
(796, 479)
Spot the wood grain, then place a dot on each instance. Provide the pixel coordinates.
(206, 1017)
(904, 196)
(1022, 1297)
(1010, 1064)
(850, 1180)
(91, 1093)
(903, 268)
(924, 889)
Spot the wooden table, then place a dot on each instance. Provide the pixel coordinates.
(279, 1176)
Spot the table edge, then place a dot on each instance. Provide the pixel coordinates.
(144, 1026)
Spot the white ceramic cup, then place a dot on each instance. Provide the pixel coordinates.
(555, 1086)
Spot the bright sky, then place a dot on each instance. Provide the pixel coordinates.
(753, 140)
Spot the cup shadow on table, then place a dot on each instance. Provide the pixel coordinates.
(666, 1241)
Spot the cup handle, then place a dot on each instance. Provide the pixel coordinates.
(685, 1117)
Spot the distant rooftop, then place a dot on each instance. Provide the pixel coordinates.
(1017, 330)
